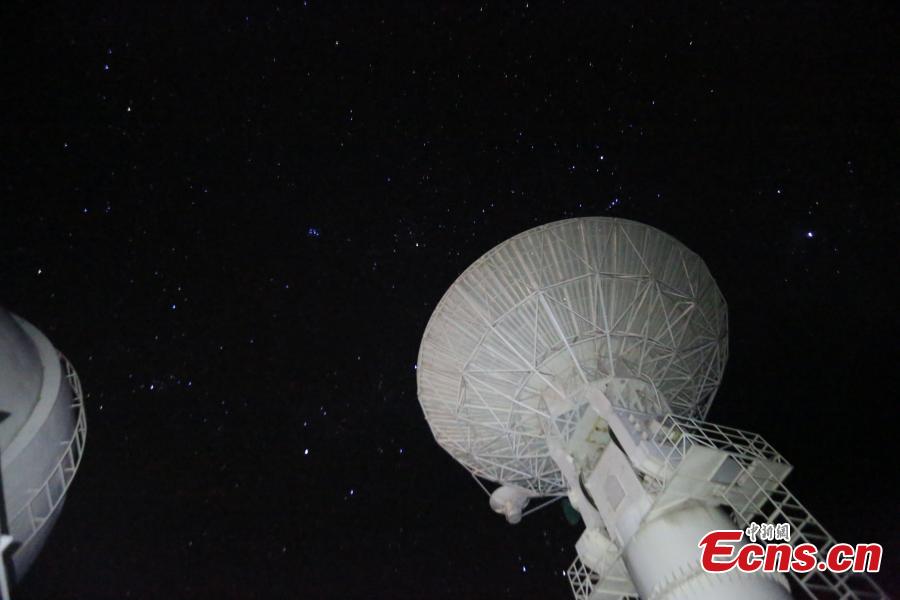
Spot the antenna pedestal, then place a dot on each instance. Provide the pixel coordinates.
(652, 529)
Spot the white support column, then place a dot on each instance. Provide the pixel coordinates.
(664, 561)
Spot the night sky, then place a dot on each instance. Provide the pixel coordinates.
(237, 221)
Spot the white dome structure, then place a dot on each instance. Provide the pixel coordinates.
(42, 436)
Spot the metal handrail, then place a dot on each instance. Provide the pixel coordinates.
(66, 473)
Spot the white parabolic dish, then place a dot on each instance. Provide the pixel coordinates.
(510, 344)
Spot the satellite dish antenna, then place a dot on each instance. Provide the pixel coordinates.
(578, 359)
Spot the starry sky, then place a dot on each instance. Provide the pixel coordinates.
(236, 220)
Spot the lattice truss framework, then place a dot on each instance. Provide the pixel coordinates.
(753, 496)
(756, 493)
(513, 340)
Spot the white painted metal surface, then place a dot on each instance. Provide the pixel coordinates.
(42, 445)
(549, 310)
(579, 359)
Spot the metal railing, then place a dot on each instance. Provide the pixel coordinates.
(588, 584)
(47, 497)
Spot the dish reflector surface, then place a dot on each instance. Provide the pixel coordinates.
(515, 338)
